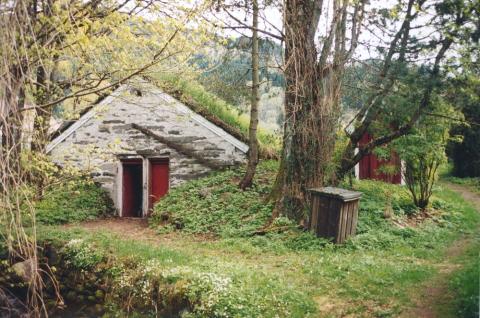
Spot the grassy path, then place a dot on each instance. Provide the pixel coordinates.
(437, 298)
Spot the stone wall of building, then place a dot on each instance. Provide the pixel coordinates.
(104, 135)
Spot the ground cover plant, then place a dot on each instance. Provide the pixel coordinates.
(73, 201)
(396, 246)
(200, 257)
(465, 282)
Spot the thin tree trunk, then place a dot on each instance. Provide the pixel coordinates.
(252, 132)
(43, 94)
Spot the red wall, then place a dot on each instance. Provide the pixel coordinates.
(370, 163)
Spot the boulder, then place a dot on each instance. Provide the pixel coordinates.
(25, 270)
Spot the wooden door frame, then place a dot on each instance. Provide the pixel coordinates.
(121, 162)
(146, 184)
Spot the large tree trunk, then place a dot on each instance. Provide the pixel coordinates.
(306, 146)
(252, 133)
(311, 100)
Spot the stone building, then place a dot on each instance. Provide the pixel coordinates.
(139, 142)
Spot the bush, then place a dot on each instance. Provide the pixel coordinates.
(75, 201)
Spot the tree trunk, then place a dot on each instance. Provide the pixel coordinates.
(311, 108)
(43, 94)
(11, 120)
(252, 132)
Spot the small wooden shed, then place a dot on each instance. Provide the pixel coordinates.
(334, 213)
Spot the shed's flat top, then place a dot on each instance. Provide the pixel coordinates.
(338, 193)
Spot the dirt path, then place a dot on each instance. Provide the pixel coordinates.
(436, 294)
(130, 228)
(467, 194)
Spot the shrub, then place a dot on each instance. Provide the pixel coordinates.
(74, 201)
(81, 255)
(216, 205)
(423, 151)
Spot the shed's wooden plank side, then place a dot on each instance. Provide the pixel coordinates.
(314, 213)
(334, 218)
(355, 218)
(323, 217)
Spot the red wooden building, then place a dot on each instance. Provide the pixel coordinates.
(370, 166)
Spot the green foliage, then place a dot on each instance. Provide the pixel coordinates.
(152, 285)
(216, 205)
(423, 150)
(81, 255)
(283, 272)
(464, 93)
(74, 200)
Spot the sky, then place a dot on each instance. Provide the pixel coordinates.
(271, 21)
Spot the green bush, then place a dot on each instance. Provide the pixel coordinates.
(73, 201)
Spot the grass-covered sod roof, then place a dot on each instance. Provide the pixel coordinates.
(217, 111)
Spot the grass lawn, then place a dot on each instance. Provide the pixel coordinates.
(200, 240)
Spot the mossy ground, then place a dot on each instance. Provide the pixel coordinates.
(291, 273)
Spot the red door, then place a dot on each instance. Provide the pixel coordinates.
(132, 194)
(159, 180)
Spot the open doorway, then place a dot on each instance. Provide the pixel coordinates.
(132, 187)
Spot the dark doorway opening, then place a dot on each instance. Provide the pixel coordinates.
(132, 188)
(159, 179)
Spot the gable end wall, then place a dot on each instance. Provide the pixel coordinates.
(107, 135)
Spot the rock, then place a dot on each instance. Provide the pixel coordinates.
(204, 192)
(24, 270)
(52, 255)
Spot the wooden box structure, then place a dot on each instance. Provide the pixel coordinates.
(334, 213)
